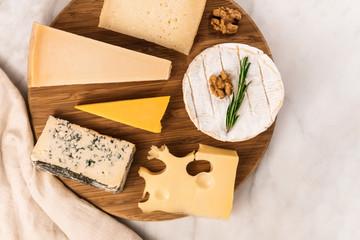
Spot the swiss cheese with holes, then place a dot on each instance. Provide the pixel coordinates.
(207, 194)
(263, 98)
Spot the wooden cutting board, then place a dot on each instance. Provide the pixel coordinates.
(179, 134)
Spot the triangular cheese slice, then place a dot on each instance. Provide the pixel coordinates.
(145, 113)
(61, 58)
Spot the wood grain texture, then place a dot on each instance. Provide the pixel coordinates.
(179, 133)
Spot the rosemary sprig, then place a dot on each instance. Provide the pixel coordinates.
(234, 106)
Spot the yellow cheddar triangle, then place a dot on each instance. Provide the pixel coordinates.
(145, 113)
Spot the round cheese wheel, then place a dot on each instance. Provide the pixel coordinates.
(263, 98)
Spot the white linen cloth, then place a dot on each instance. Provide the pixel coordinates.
(35, 204)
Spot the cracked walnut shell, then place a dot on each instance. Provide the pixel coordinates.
(226, 20)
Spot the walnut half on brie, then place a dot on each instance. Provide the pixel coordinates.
(263, 98)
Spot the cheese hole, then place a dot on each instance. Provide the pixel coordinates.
(145, 198)
(204, 181)
(154, 165)
(198, 166)
(162, 194)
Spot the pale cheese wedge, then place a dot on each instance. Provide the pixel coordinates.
(170, 23)
(262, 101)
(61, 58)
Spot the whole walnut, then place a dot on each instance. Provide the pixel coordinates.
(226, 20)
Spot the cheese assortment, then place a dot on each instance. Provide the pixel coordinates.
(170, 23)
(207, 194)
(143, 113)
(70, 151)
(61, 58)
(262, 101)
(214, 78)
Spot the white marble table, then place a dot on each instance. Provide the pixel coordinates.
(308, 184)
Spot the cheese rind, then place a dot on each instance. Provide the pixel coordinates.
(263, 98)
(60, 58)
(170, 23)
(207, 194)
(144, 113)
(70, 151)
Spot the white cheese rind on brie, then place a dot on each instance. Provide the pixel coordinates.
(273, 84)
(68, 150)
(262, 101)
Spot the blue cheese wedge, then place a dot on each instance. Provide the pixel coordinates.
(70, 151)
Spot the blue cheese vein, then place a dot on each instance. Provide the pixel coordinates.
(84, 152)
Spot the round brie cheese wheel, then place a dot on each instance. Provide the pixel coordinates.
(263, 98)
